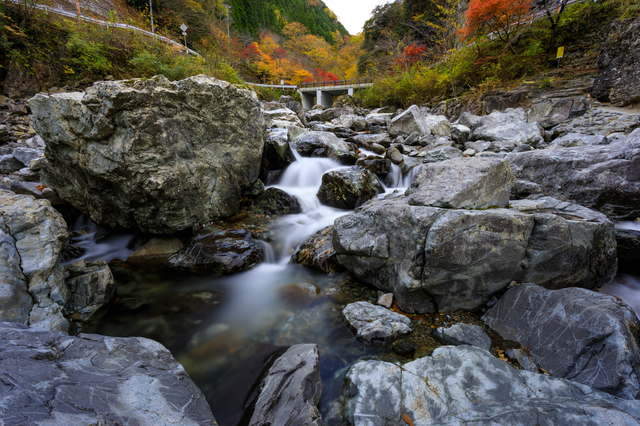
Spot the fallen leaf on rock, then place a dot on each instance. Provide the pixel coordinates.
(407, 419)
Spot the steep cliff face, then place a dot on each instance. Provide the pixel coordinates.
(619, 78)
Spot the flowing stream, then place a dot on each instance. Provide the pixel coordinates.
(225, 330)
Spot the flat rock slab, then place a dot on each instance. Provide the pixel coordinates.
(291, 390)
(462, 183)
(464, 334)
(510, 125)
(375, 324)
(61, 380)
(576, 334)
(466, 385)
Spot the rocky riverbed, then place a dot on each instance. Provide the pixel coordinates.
(326, 266)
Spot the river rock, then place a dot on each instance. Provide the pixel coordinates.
(441, 154)
(218, 251)
(551, 112)
(525, 360)
(576, 139)
(276, 202)
(599, 122)
(155, 252)
(375, 164)
(316, 252)
(369, 140)
(466, 183)
(352, 121)
(301, 294)
(324, 144)
(8, 164)
(282, 117)
(619, 78)
(25, 155)
(574, 333)
(411, 120)
(149, 153)
(348, 188)
(327, 114)
(436, 259)
(91, 379)
(467, 385)
(394, 155)
(375, 324)
(376, 119)
(602, 177)
(277, 153)
(291, 390)
(464, 334)
(91, 285)
(508, 126)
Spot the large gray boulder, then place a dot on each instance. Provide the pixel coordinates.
(375, 324)
(290, 392)
(576, 334)
(510, 126)
(152, 154)
(466, 385)
(348, 188)
(411, 120)
(324, 144)
(60, 380)
(551, 112)
(602, 177)
(462, 183)
(619, 78)
(437, 259)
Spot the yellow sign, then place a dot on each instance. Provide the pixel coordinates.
(560, 52)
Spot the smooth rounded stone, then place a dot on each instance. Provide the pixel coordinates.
(409, 121)
(218, 251)
(386, 300)
(316, 252)
(348, 188)
(156, 251)
(510, 125)
(25, 155)
(464, 334)
(8, 164)
(628, 242)
(525, 360)
(394, 155)
(467, 183)
(152, 154)
(324, 144)
(375, 324)
(374, 164)
(469, 152)
(378, 149)
(619, 78)
(602, 177)
(434, 259)
(467, 385)
(275, 202)
(277, 153)
(573, 333)
(291, 390)
(91, 285)
(551, 112)
(441, 154)
(576, 139)
(94, 379)
(300, 294)
(33, 233)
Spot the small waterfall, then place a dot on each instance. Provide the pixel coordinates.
(632, 226)
(114, 246)
(269, 253)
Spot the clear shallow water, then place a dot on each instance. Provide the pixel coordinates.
(225, 330)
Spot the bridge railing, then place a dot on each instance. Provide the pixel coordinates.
(335, 83)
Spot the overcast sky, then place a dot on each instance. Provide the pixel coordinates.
(353, 13)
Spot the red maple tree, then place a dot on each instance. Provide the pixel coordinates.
(496, 18)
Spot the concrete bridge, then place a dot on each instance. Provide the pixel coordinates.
(323, 92)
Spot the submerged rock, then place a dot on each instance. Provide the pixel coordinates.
(576, 334)
(218, 251)
(91, 285)
(157, 155)
(316, 252)
(375, 324)
(291, 390)
(467, 385)
(91, 379)
(348, 188)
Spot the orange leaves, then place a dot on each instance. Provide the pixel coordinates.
(407, 419)
(500, 17)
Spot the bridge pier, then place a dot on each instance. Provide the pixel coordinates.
(323, 92)
(350, 91)
(308, 100)
(324, 98)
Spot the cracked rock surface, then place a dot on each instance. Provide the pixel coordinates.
(375, 323)
(576, 334)
(52, 379)
(465, 385)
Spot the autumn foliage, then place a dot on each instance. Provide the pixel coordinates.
(501, 18)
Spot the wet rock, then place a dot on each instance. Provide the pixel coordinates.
(94, 379)
(8, 164)
(375, 324)
(464, 334)
(291, 391)
(348, 188)
(324, 144)
(394, 155)
(386, 300)
(156, 252)
(25, 155)
(508, 126)
(574, 333)
(435, 259)
(466, 385)
(91, 285)
(218, 251)
(157, 155)
(551, 112)
(628, 242)
(602, 177)
(316, 252)
(301, 294)
(466, 183)
(441, 154)
(619, 78)
(369, 140)
(403, 347)
(277, 152)
(275, 202)
(255, 190)
(374, 164)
